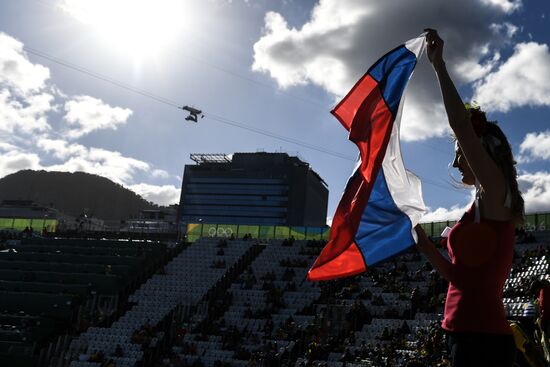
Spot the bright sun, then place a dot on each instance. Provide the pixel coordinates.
(142, 28)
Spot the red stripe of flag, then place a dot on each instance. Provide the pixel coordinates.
(365, 114)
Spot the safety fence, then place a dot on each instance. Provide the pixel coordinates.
(533, 222)
(37, 224)
(194, 231)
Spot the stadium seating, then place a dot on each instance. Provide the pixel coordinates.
(273, 312)
(54, 281)
(186, 280)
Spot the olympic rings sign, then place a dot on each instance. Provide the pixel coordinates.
(220, 232)
(532, 227)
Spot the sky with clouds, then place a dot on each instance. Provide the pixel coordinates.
(93, 86)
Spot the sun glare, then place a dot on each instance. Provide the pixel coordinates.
(142, 28)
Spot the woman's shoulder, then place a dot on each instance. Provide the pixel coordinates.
(495, 208)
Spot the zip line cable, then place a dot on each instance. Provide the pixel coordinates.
(101, 77)
(280, 137)
(202, 62)
(214, 117)
(175, 104)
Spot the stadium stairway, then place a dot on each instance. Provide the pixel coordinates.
(185, 282)
(278, 265)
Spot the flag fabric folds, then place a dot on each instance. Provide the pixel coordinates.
(382, 201)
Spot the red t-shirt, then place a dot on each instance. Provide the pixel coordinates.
(481, 254)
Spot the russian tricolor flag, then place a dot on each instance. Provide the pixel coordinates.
(382, 201)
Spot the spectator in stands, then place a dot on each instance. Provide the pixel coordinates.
(481, 244)
(405, 329)
(540, 289)
(118, 351)
(415, 363)
(347, 356)
(415, 301)
(520, 235)
(544, 306)
(198, 363)
(97, 356)
(529, 310)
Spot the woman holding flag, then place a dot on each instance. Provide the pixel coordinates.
(481, 244)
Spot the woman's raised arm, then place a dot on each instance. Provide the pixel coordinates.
(484, 168)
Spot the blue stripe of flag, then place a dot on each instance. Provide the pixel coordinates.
(384, 230)
(392, 73)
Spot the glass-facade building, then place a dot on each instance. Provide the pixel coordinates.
(252, 188)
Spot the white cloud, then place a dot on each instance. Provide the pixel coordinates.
(507, 6)
(16, 71)
(343, 38)
(286, 54)
(506, 28)
(24, 117)
(535, 188)
(520, 81)
(60, 148)
(6, 147)
(444, 214)
(16, 160)
(106, 163)
(161, 195)
(416, 126)
(27, 96)
(160, 173)
(13, 158)
(471, 69)
(535, 146)
(85, 114)
(109, 164)
(78, 158)
(24, 95)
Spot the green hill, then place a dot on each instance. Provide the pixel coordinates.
(74, 193)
